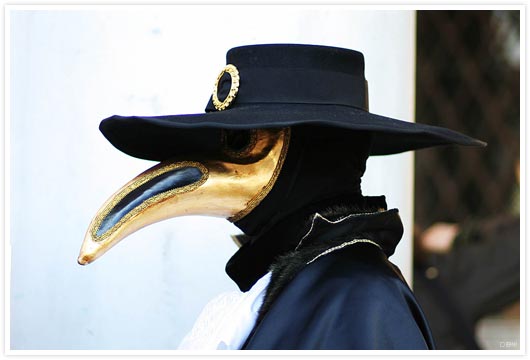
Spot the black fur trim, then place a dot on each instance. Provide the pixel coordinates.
(284, 269)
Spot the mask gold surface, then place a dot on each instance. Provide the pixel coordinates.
(229, 185)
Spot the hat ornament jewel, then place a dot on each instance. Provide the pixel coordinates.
(234, 87)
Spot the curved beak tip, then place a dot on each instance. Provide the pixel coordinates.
(89, 252)
(84, 259)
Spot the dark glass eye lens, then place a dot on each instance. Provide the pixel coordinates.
(237, 140)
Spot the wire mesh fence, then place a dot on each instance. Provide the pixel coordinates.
(468, 80)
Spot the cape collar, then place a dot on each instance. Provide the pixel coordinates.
(383, 227)
(300, 230)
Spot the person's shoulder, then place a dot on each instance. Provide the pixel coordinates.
(356, 299)
(358, 265)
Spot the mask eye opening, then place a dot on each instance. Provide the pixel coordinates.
(238, 143)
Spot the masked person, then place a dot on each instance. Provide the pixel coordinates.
(280, 152)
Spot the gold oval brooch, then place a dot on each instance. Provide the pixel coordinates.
(234, 87)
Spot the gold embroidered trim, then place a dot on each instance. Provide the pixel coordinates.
(343, 245)
(257, 199)
(152, 200)
(317, 215)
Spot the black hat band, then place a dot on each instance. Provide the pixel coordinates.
(294, 86)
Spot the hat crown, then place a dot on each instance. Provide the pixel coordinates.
(325, 58)
(290, 74)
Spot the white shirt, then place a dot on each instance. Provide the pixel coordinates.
(227, 320)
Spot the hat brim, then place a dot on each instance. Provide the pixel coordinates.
(162, 137)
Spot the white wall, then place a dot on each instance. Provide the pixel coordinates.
(69, 70)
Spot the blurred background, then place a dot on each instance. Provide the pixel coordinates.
(71, 68)
(467, 267)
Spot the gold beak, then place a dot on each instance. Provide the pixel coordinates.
(222, 188)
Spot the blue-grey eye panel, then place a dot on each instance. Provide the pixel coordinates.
(170, 180)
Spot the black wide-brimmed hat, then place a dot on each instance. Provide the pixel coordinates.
(278, 85)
